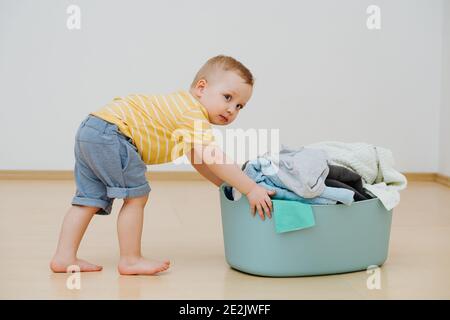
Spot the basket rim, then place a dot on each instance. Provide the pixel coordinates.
(222, 195)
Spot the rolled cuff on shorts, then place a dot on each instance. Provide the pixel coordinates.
(123, 193)
(104, 206)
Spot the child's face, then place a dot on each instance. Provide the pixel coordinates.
(223, 96)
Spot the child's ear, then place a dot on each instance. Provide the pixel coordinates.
(200, 87)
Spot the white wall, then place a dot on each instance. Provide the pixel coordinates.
(444, 147)
(320, 73)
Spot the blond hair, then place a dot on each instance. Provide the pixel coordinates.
(225, 63)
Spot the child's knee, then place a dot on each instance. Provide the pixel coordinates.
(138, 201)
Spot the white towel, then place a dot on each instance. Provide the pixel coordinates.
(373, 164)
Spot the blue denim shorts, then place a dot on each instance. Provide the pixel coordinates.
(107, 166)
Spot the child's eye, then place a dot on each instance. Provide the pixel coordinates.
(239, 106)
(227, 97)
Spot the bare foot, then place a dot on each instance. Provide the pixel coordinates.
(141, 266)
(61, 265)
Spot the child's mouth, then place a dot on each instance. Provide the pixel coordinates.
(223, 118)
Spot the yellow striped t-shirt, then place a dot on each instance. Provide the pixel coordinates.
(162, 127)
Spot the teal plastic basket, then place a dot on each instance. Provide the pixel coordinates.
(344, 239)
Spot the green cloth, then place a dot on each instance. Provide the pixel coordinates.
(292, 215)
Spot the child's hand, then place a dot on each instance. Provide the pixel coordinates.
(258, 197)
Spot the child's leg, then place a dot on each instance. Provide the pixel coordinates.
(72, 230)
(129, 229)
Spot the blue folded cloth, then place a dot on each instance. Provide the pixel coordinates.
(292, 215)
(284, 194)
(256, 170)
(262, 170)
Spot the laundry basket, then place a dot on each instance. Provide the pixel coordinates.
(343, 239)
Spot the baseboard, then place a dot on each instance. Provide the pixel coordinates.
(176, 175)
(420, 176)
(68, 175)
(445, 180)
(426, 176)
(36, 175)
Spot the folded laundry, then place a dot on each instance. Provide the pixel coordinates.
(382, 191)
(338, 184)
(323, 173)
(302, 170)
(341, 177)
(373, 164)
(281, 194)
(261, 170)
(292, 215)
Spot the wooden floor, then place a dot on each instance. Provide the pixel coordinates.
(183, 224)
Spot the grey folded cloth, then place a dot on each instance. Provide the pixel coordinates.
(302, 170)
(341, 177)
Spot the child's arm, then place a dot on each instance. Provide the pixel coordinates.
(203, 169)
(224, 170)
